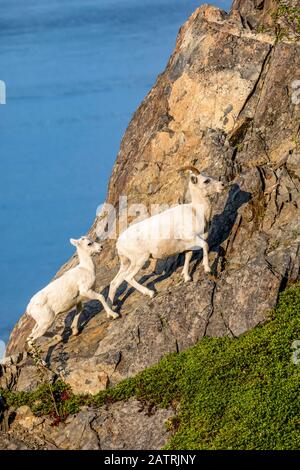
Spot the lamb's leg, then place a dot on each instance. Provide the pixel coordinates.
(44, 318)
(33, 335)
(74, 326)
(92, 295)
(185, 271)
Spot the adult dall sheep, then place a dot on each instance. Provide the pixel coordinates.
(182, 228)
(68, 291)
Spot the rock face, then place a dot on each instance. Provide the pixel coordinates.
(254, 13)
(119, 426)
(10, 443)
(229, 103)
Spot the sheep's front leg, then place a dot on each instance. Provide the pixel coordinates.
(74, 326)
(92, 295)
(185, 271)
(204, 245)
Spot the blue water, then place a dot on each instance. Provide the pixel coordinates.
(75, 71)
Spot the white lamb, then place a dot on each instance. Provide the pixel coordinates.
(68, 291)
(176, 230)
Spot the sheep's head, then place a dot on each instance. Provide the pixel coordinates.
(206, 185)
(87, 244)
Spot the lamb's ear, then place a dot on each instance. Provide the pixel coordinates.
(73, 242)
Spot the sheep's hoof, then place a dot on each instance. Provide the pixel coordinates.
(75, 332)
(57, 338)
(152, 294)
(28, 347)
(113, 315)
(187, 278)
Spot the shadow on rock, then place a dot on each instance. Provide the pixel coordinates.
(222, 224)
(90, 310)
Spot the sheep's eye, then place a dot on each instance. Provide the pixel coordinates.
(206, 181)
(90, 243)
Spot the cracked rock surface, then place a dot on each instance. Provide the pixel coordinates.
(115, 427)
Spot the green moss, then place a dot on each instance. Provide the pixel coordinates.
(240, 393)
(287, 19)
(48, 399)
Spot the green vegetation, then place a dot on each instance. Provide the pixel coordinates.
(56, 400)
(240, 393)
(287, 19)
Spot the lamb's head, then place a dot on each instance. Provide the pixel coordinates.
(87, 244)
(205, 185)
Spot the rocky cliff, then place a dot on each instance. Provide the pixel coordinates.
(228, 103)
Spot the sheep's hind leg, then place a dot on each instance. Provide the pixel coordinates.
(40, 328)
(144, 290)
(45, 319)
(129, 277)
(119, 278)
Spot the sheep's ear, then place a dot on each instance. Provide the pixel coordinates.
(73, 242)
(194, 179)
